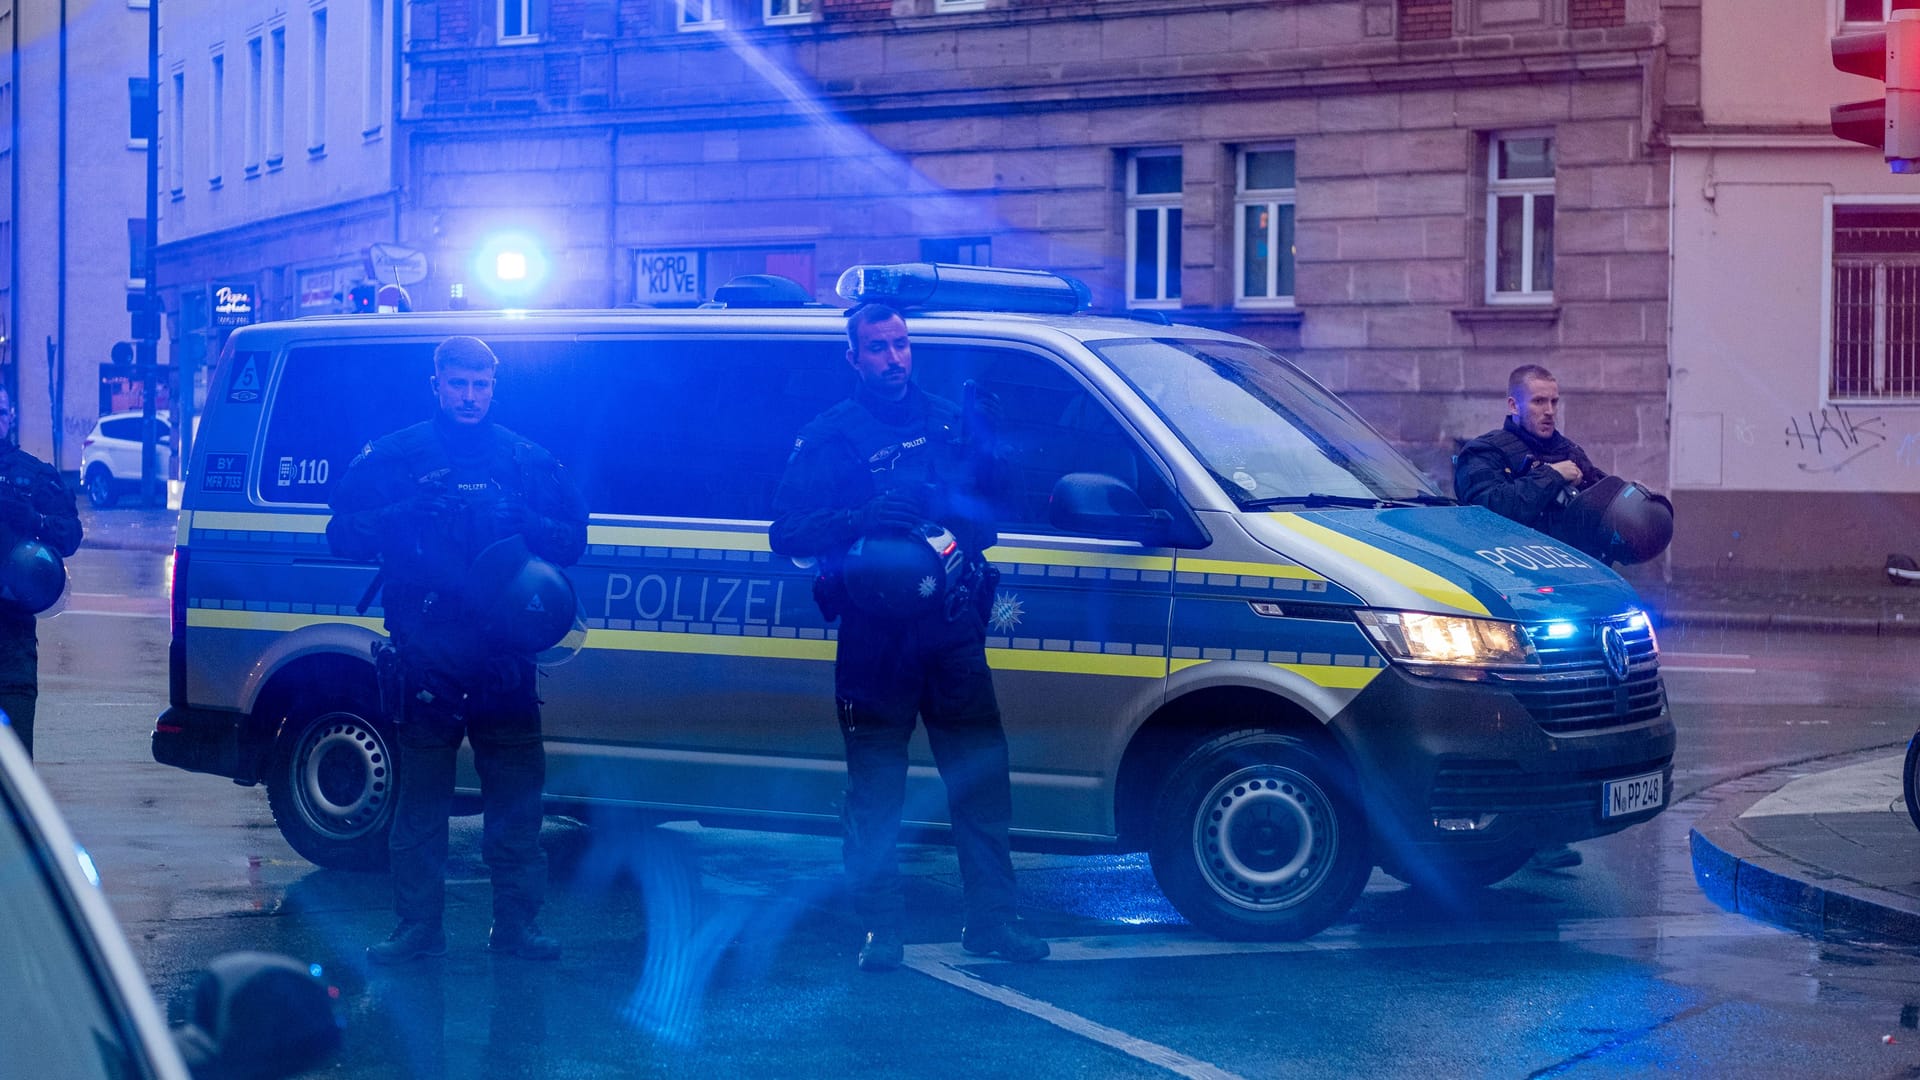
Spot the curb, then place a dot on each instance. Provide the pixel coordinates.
(1744, 876)
(1782, 620)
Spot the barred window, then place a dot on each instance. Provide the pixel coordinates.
(1876, 303)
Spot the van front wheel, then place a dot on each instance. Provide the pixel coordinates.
(1256, 837)
(331, 785)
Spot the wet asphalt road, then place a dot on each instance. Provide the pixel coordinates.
(695, 952)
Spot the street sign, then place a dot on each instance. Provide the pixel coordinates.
(396, 265)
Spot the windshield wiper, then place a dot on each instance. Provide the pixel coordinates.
(1313, 499)
(1367, 502)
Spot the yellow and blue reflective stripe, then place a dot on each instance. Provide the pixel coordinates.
(1418, 578)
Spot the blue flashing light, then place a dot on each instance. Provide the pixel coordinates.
(1558, 630)
(949, 287)
(1636, 621)
(512, 264)
(315, 970)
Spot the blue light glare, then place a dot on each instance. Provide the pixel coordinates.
(86, 865)
(1560, 630)
(1636, 621)
(314, 970)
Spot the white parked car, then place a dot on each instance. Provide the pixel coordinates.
(76, 1004)
(110, 455)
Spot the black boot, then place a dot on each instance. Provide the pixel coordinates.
(522, 939)
(412, 939)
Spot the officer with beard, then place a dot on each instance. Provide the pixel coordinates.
(34, 505)
(888, 462)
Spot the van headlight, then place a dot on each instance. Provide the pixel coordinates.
(1417, 638)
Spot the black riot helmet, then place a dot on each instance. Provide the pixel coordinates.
(524, 603)
(900, 575)
(32, 577)
(1619, 521)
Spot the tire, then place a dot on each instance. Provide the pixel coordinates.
(100, 490)
(330, 784)
(1294, 851)
(1910, 779)
(1452, 877)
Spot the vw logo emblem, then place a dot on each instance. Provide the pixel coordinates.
(1613, 649)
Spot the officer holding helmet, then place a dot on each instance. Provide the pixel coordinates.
(35, 508)
(891, 501)
(468, 521)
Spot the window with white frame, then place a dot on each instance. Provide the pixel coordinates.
(255, 81)
(1263, 216)
(788, 11)
(374, 105)
(517, 24)
(701, 14)
(1875, 304)
(1520, 218)
(317, 84)
(959, 5)
(1154, 183)
(276, 96)
(216, 116)
(176, 140)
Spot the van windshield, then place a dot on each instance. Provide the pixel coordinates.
(1270, 435)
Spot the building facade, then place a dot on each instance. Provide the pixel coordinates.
(1796, 366)
(75, 111)
(279, 162)
(1409, 197)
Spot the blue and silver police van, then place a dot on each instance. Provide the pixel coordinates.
(1235, 629)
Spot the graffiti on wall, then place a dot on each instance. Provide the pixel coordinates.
(1834, 437)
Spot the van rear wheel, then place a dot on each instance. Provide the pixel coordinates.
(331, 784)
(1257, 837)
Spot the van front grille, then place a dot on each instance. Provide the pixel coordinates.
(1572, 690)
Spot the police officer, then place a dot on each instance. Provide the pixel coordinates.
(34, 505)
(889, 461)
(1528, 471)
(425, 501)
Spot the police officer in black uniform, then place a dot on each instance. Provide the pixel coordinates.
(889, 461)
(1528, 471)
(425, 501)
(34, 505)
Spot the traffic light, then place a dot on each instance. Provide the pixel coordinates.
(1892, 55)
(361, 298)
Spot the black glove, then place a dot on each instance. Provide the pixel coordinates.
(511, 515)
(888, 511)
(17, 515)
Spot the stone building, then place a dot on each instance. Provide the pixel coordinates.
(74, 131)
(1409, 197)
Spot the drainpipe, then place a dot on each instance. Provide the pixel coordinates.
(57, 375)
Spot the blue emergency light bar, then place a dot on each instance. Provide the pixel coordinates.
(945, 286)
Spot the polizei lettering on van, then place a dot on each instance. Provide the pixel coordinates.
(695, 598)
(1533, 557)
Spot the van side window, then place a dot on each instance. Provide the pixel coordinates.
(661, 427)
(330, 402)
(1051, 426)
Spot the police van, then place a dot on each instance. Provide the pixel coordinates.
(1234, 629)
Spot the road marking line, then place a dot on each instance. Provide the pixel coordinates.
(1709, 655)
(934, 961)
(948, 962)
(1710, 670)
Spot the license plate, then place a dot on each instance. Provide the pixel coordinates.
(1619, 798)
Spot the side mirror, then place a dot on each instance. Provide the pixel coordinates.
(257, 1016)
(1095, 504)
